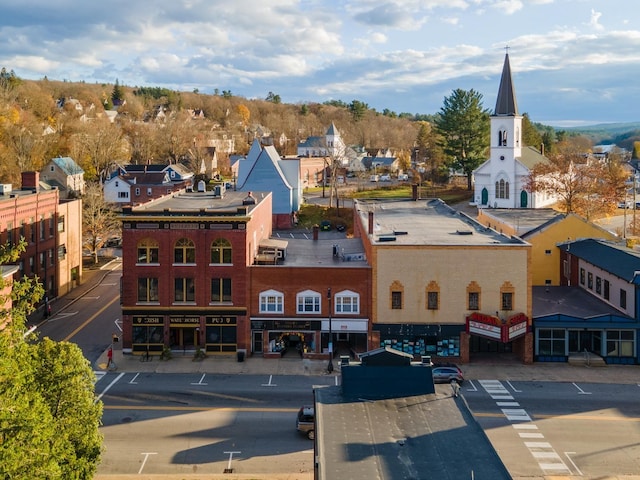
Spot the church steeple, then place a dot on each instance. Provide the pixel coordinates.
(506, 102)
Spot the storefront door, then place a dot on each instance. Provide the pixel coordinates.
(183, 338)
(257, 341)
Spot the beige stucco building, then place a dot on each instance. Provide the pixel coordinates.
(443, 284)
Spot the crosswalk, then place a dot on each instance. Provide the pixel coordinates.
(99, 374)
(548, 459)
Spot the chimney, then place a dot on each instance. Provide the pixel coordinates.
(30, 180)
(370, 231)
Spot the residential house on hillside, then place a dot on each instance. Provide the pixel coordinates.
(501, 181)
(141, 183)
(66, 175)
(544, 229)
(263, 170)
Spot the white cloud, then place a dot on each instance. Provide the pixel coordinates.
(595, 18)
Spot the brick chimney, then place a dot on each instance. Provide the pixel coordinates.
(370, 231)
(30, 180)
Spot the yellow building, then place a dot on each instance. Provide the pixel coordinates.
(443, 284)
(544, 229)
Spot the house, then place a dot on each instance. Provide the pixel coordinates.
(501, 181)
(471, 293)
(138, 187)
(329, 145)
(544, 229)
(263, 170)
(65, 174)
(141, 183)
(185, 272)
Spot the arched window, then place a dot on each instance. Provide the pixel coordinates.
(148, 251)
(433, 296)
(271, 301)
(502, 189)
(184, 251)
(308, 302)
(221, 251)
(396, 293)
(347, 302)
(473, 296)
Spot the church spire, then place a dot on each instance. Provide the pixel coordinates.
(506, 102)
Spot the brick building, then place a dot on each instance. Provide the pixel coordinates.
(52, 229)
(315, 288)
(185, 276)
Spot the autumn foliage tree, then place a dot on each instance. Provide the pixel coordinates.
(583, 185)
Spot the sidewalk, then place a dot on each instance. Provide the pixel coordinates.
(500, 370)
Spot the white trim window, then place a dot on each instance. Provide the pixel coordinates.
(347, 302)
(271, 301)
(308, 302)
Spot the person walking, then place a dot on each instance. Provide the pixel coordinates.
(110, 364)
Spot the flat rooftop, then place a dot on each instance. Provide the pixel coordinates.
(573, 301)
(306, 252)
(199, 202)
(424, 436)
(425, 222)
(522, 220)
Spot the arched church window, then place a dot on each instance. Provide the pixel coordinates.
(502, 189)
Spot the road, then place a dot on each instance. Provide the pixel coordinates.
(588, 431)
(91, 319)
(191, 423)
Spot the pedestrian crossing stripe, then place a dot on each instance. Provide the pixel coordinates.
(99, 375)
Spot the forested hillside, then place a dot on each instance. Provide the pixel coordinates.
(99, 124)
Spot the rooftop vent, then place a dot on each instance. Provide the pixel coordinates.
(5, 188)
(202, 186)
(249, 200)
(464, 232)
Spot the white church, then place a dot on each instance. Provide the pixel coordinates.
(501, 181)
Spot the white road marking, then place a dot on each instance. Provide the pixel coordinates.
(580, 391)
(548, 459)
(269, 384)
(146, 456)
(200, 382)
(109, 386)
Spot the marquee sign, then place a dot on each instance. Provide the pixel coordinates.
(492, 327)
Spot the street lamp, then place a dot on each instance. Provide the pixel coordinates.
(330, 366)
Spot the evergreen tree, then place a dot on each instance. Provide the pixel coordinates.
(464, 127)
(117, 95)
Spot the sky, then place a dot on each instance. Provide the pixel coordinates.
(574, 62)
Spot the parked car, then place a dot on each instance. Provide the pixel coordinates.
(447, 374)
(374, 178)
(325, 225)
(306, 421)
(385, 178)
(403, 177)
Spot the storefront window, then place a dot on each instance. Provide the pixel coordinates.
(221, 334)
(620, 343)
(551, 342)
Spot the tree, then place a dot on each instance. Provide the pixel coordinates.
(584, 186)
(428, 152)
(358, 110)
(99, 220)
(96, 146)
(273, 98)
(117, 95)
(464, 127)
(49, 419)
(530, 134)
